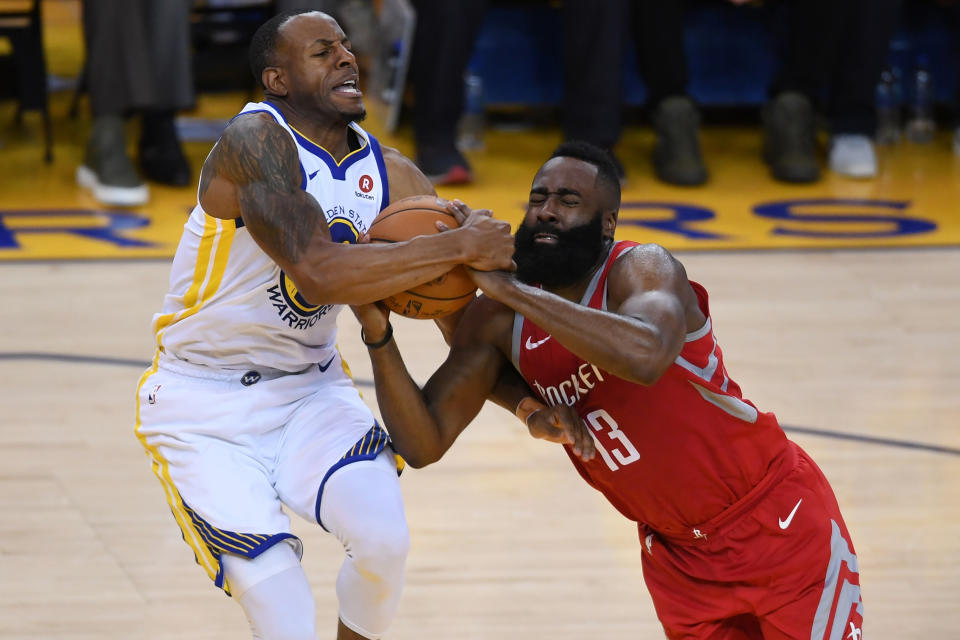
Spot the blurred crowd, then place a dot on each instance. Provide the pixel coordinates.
(139, 64)
(832, 69)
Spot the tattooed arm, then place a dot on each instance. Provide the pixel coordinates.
(253, 172)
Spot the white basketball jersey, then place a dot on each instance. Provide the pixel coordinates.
(230, 306)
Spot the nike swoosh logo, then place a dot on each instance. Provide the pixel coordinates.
(786, 523)
(310, 177)
(324, 367)
(534, 345)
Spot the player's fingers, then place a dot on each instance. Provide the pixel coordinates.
(543, 424)
(575, 430)
(364, 239)
(563, 423)
(552, 434)
(458, 209)
(587, 447)
(442, 226)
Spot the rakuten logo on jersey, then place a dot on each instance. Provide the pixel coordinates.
(365, 184)
(569, 392)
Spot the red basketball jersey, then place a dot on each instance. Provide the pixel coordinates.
(671, 455)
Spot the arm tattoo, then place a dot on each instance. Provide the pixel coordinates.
(261, 159)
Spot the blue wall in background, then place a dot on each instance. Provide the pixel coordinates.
(731, 52)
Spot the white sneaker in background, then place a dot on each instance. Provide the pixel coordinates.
(853, 155)
(112, 195)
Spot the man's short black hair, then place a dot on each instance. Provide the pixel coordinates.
(600, 158)
(264, 42)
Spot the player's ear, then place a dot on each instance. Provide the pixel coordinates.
(274, 81)
(609, 222)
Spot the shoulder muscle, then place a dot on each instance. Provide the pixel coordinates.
(254, 149)
(650, 285)
(254, 172)
(405, 177)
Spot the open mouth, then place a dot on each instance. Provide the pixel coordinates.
(348, 88)
(545, 238)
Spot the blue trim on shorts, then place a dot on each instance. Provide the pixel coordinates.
(220, 541)
(366, 448)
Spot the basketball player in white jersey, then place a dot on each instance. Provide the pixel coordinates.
(247, 406)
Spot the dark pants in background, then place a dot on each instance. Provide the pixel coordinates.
(138, 55)
(835, 51)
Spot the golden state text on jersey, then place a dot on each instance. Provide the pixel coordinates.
(229, 305)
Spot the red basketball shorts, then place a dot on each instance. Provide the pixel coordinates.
(783, 568)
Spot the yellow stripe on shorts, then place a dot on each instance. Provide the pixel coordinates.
(208, 272)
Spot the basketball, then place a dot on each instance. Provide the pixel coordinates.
(417, 216)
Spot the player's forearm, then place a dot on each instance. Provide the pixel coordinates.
(510, 389)
(360, 274)
(412, 427)
(624, 346)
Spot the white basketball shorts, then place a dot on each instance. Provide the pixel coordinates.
(231, 447)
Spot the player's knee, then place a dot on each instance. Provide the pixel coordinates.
(371, 579)
(379, 551)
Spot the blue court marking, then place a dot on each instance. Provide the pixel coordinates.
(66, 357)
(824, 433)
(890, 442)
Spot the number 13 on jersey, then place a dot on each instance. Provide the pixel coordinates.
(604, 430)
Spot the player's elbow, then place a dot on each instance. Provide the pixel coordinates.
(646, 374)
(421, 458)
(647, 368)
(317, 286)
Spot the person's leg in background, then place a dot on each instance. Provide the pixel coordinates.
(955, 23)
(868, 27)
(662, 61)
(169, 90)
(138, 59)
(443, 43)
(594, 37)
(812, 33)
(116, 71)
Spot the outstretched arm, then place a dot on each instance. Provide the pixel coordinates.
(650, 304)
(253, 172)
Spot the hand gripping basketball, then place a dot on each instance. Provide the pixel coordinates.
(417, 216)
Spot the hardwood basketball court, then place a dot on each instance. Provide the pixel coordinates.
(849, 336)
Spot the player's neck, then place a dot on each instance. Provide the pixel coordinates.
(331, 134)
(574, 292)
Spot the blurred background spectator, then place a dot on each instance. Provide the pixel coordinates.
(594, 36)
(138, 61)
(832, 53)
(442, 45)
(831, 58)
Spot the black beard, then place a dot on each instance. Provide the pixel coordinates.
(577, 250)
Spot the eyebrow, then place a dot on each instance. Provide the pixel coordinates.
(562, 191)
(327, 43)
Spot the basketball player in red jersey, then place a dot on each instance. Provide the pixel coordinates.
(741, 533)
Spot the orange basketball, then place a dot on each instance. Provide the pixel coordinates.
(417, 216)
